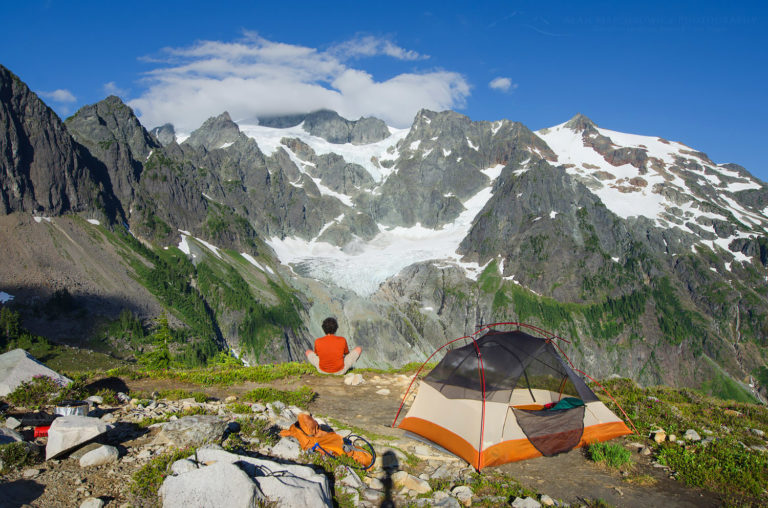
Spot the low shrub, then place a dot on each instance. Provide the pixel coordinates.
(723, 466)
(42, 391)
(14, 456)
(147, 481)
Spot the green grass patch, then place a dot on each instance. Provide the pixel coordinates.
(301, 397)
(611, 454)
(260, 429)
(224, 375)
(179, 394)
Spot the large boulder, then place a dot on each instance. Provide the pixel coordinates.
(192, 430)
(287, 485)
(220, 484)
(18, 366)
(68, 432)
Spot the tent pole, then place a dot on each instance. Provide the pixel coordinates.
(482, 416)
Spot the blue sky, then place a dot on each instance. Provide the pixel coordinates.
(693, 72)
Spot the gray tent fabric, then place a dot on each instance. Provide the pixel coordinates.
(18, 366)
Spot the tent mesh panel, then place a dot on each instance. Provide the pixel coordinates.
(552, 432)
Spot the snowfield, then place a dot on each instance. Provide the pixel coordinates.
(362, 266)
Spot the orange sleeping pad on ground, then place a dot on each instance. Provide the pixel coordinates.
(311, 437)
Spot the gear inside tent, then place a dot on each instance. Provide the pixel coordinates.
(508, 396)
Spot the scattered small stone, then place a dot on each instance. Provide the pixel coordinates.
(287, 449)
(645, 451)
(691, 435)
(92, 502)
(30, 473)
(758, 432)
(231, 399)
(659, 436)
(672, 438)
(258, 407)
(403, 479)
(546, 500)
(463, 494)
(374, 483)
(759, 448)
(12, 423)
(527, 502)
(352, 379)
(383, 391)
(707, 432)
(95, 399)
(102, 455)
(372, 495)
(635, 445)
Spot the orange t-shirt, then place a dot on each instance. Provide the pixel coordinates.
(331, 350)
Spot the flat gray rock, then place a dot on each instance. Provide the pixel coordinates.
(192, 430)
(287, 449)
(68, 432)
(102, 455)
(220, 484)
(288, 485)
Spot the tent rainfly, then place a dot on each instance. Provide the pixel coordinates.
(507, 396)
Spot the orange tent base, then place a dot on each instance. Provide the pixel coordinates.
(507, 451)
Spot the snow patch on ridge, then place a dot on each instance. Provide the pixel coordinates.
(5, 297)
(268, 139)
(255, 263)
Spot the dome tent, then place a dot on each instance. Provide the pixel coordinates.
(507, 396)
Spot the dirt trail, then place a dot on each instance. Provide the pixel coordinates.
(568, 476)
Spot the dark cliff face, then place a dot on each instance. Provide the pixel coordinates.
(113, 134)
(43, 169)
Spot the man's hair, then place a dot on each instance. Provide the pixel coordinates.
(330, 325)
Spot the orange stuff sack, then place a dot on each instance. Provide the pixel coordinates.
(311, 437)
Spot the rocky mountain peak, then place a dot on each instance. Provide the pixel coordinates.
(215, 132)
(579, 123)
(334, 128)
(32, 143)
(165, 134)
(99, 125)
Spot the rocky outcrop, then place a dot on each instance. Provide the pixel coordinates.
(215, 132)
(330, 126)
(165, 134)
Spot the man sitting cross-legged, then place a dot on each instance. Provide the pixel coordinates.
(331, 354)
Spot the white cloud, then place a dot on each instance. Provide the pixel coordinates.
(256, 77)
(112, 89)
(374, 46)
(59, 95)
(502, 84)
